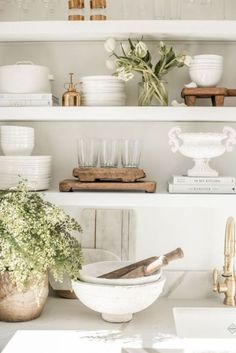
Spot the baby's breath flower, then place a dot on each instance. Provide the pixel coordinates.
(35, 238)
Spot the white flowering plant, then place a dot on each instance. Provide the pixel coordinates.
(35, 238)
(136, 58)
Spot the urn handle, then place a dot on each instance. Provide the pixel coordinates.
(231, 138)
(174, 140)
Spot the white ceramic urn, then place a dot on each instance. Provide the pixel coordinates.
(202, 147)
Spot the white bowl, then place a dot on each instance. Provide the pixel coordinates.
(208, 57)
(206, 65)
(205, 61)
(90, 273)
(206, 77)
(17, 149)
(118, 303)
(16, 128)
(100, 78)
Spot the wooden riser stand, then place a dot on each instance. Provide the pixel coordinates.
(107, 179)
(216, 94)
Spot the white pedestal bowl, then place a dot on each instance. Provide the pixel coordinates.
(202, 147)
(117, 303)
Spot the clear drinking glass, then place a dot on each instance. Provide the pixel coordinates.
(109, 153)
(130, 153)
(87, 152)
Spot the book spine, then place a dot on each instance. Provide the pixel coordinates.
(24, 96)
(178, 180)
(25, 103)
(192, 189)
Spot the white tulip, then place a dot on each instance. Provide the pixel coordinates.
(140, 50)
(110, 45)
(124, 74)
(188, 60)
(110, 64)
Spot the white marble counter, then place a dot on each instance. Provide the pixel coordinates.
(74, 328)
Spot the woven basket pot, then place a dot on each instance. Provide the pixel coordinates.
(18, 306)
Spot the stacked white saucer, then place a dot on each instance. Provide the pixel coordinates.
(17, 143)
(206, 70)
(102, 91)
(35, 169)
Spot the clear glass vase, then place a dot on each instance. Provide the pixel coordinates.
(153, 93)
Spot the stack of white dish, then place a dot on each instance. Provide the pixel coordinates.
(116, 299)
(206, 70)
(17, 143)
(17, 140)
(35, 169)
(103, 91)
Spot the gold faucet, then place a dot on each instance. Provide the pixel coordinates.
(228, 287)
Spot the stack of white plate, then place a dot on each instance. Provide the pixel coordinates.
(103, 91)
(35, 169)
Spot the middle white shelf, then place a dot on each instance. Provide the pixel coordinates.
(140, 200)
(119, 114)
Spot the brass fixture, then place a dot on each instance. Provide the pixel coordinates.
(75, 7)
(71, 98)
(76, 4)
(228, 287)
(98, 10)
(98, 18)
(98, 4)
(76, 18)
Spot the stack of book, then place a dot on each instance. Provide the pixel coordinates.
(28, 100)
(202, 185)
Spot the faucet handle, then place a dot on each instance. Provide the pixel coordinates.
(215, 280)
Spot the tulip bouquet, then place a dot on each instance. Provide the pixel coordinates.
(135, 57)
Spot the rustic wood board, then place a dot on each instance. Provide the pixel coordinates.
(126, 175)
(75, 185)
(204, 91)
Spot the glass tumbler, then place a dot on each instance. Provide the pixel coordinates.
(109, 153)
(130, 153)
(87, 153)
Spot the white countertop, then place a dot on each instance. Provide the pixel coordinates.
(67, 325)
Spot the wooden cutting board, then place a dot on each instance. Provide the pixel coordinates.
(126, 175)
(75, 185)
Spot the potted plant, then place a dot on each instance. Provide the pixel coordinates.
(35, 238)
(136, 58)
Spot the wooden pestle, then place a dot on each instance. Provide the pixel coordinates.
(145, 267)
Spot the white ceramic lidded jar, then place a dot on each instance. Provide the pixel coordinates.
(25, 77)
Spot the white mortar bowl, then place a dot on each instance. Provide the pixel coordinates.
(118, 303)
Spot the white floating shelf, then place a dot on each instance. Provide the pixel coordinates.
(119, 114)
(139, 200)
(100, 30)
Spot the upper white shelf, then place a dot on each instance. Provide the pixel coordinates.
(120, 114)
(101, 30)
